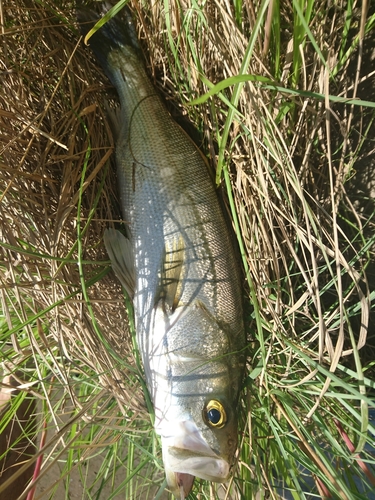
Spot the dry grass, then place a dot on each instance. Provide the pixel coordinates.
(56, 199)
(55, 150)
(297, 171)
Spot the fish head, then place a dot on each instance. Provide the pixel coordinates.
(191, 449)
(196, 412)
(202, 443)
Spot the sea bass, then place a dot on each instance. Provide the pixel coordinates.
(178, 265)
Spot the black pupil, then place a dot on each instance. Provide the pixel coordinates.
(214, 416)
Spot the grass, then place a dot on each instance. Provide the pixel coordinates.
(285, 113)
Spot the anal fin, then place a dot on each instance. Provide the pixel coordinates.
(120, 252)
(115, 122)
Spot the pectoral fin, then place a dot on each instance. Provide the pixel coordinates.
(171, 273)
(121, 255)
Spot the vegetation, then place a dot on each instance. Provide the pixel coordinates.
(282, 101)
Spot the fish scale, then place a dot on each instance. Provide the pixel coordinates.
(178, 264)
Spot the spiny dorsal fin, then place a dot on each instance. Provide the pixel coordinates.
(121, 255)
(171, 273)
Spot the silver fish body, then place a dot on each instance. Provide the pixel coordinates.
(178, 265)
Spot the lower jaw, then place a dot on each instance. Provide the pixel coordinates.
(184, 483)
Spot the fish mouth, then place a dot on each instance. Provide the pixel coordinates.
(205, 466)
(186, 454)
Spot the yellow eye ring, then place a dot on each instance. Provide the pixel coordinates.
(214, 414)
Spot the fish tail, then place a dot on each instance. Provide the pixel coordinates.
(116, 34)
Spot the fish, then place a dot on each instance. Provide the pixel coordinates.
(178, 264)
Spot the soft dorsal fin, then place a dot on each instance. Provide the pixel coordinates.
(120, 252)
(171, 273)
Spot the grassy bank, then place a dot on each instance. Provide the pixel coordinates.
(281, 101)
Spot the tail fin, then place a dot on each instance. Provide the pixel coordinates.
(116, 33)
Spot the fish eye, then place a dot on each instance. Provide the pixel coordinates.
(214, 414)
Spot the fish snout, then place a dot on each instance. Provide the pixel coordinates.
(186, 454)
